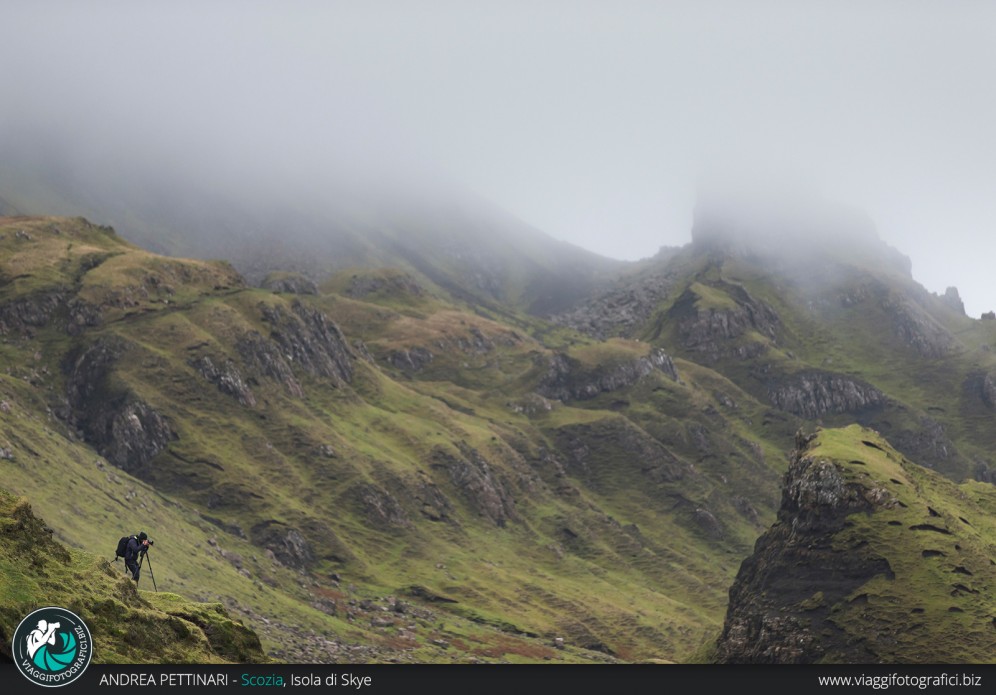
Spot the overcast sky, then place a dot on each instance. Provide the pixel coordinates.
(590, 120)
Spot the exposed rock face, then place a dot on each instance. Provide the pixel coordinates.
(953, 300)
(379, 506)
(22, 315)
(287, 544)
(619, 311)
(928, 444)
(781, 601)
(715, 331)
(568, 380)
(263, 357)
(602, 448)
(134, 435)
(82, 315)
(918, 330)
(812, 394)
(476, 342)
(311, 340)
(431, 501)
(983, 387)
(989, 391)
(226, 378)
(289, 283)
(124, 429)
(304, 337)
(411, 360)
(480, 485)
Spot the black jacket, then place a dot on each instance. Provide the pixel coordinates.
(133, 549)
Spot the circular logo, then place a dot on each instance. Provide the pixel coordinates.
(52, 647)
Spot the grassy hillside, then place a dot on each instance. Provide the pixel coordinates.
(312, 460)
(370, 470)
(128, 626)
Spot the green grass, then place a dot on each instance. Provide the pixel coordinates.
(939, 606)
(233, 467)
(127, 625)
(632, 510)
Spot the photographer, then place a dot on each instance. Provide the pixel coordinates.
(136, 549)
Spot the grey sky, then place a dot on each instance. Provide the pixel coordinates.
(591, 120)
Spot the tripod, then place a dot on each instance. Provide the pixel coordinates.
(148, 560)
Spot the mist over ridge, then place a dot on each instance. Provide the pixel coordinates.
(592, 124)
(452, 333)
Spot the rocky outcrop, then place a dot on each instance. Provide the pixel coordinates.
(952, 299)
(918, 330)
(620, 311)
(927, 444)
(478, 482)
(287, 544)
(226, 377)
(982, 386)
(289, 283)
(81, 315)
(568, 380)
(310, 340)
(599, 451)
(379, 506)
(133, 435)
(988, 389)
(263, 357)
(127, 431)
(781, 602)
(472, 341)
(21, 316)
(713, 330)
(303, 337)
(812, 394)
(412, 360)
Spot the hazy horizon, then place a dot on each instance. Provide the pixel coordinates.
(591, 122)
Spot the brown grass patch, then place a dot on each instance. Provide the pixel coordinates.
(510, 645)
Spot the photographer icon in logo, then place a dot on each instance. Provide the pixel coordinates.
(52, 646)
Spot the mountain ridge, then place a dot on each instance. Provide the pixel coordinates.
(370, 445)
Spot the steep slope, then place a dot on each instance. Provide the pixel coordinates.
(128, 626)
(351, 468)
(873, 559)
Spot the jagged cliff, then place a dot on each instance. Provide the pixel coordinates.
(872, 559)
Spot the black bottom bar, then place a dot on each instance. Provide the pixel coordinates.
(515, 680)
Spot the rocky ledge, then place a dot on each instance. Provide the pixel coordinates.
(782, 599)
(568, 380)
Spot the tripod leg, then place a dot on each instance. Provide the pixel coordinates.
(151, 574)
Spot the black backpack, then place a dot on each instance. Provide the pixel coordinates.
(122, 546)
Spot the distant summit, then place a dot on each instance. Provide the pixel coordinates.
(786, 222)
